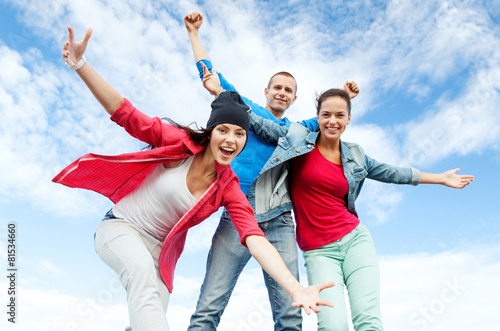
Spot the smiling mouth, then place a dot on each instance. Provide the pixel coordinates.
(226, 151)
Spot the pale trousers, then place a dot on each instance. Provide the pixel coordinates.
(351, 262)
(133, 255)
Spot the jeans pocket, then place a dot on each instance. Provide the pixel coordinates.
(287, 219)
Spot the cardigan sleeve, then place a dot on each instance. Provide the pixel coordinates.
(239, 210)
(151, 130)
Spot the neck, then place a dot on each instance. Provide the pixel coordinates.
(328, 144)
(330, 149)
(204, 163)
(276, 113)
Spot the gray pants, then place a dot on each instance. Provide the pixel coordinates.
(133, 255)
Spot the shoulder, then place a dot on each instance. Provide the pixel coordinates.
(352, 150)
(352, 146)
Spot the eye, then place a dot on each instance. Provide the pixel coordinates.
(289, 91)
(241, 134)
(221, 130)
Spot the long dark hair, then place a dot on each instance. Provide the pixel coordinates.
(201, 136)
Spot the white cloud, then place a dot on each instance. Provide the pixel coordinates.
(465, 125)
(51, 311)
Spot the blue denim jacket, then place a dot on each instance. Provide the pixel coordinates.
(272, 187)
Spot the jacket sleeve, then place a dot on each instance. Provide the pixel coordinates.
(240, 211)
(266, 129)
(151, 130)
(311, 124)
(387, 173)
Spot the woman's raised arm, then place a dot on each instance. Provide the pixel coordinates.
(72, 54)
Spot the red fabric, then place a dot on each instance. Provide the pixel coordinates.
(116, 176)
(318, 190)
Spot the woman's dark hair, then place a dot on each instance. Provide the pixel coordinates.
(333, 92)
(200, 136)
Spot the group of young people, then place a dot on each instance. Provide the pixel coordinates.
(276, 166)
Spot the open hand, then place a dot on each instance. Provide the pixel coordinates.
(73, 51)
(351, 88)
(193, 21)
(451, 179)
(308, 297)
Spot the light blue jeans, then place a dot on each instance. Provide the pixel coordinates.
(350, 262)
(226, 260)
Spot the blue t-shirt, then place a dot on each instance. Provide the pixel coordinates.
(249, 162)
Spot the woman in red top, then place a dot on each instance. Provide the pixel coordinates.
(324, 185)
(143, 242)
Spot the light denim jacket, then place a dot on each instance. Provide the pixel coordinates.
(273, 196)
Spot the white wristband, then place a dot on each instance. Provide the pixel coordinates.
(78, 65)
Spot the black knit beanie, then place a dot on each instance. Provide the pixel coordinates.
(229, 108)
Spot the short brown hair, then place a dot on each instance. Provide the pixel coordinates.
(282, 73)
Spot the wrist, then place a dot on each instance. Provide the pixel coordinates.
(296, 288)
(220, 91)
(78, 65)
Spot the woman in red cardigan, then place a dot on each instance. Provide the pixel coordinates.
(160, 193)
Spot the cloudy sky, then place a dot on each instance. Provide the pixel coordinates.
(429, 74)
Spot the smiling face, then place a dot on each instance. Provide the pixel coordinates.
(226, 142)
(333, 117)
(280, 94)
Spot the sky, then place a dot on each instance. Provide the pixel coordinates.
(429, 75)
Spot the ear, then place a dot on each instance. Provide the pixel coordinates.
(266, 92)
(293, 100)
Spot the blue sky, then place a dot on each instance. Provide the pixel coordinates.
(429, 74)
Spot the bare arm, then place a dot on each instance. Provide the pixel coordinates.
(193, 22)
(270, 260)
(448, 178)
(72, 52)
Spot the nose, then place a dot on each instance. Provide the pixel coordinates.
(231, 138)
(332, 120)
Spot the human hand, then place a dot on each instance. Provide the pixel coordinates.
(308, 298)
(451, 179)
(211, 80)
(193, 21)
(351, 88)
(73, 51)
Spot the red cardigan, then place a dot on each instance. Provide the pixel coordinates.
(117, 176)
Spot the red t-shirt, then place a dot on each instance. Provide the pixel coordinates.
(318, 193)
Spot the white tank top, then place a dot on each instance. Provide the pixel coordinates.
(160, 201)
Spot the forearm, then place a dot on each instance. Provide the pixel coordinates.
(107, 96)
(270, 260)
(198, 50)
(430, 178)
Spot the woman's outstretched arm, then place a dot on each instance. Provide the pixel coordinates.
(72, 53)
(448, 178)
